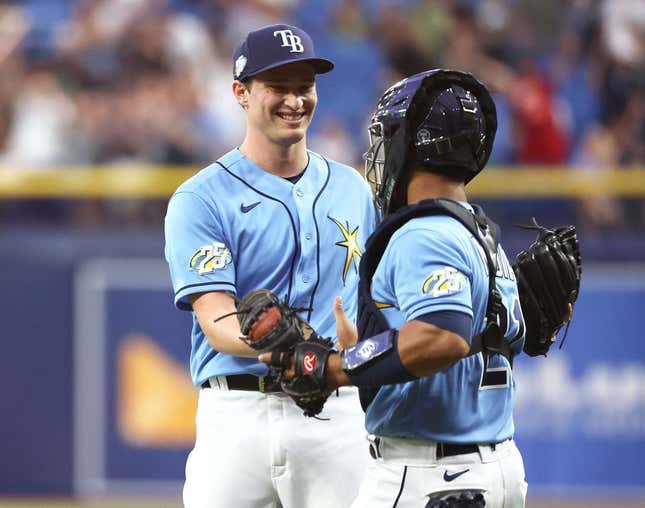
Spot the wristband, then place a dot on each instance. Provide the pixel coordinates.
(375, 361)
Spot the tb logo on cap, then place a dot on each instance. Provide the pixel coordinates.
(290, 40)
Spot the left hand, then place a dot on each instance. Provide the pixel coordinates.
(345, 330)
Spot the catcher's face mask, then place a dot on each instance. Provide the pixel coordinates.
(441, 119)
(375, 157)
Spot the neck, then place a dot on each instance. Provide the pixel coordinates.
(281, 160)
(424, 185)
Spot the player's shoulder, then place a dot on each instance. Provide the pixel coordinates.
(438, 235)
(436, 227)
(198, 182)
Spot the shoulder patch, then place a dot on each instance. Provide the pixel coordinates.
(210, 258)
(444, 281)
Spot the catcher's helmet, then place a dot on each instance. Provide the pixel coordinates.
(444, 120)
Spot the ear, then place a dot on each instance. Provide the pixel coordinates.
(241, 93)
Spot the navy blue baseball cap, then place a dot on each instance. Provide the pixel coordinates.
(272, 46)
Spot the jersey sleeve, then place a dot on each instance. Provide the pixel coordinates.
(431, 273)
(197, 250)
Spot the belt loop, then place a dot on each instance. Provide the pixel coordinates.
(375, 442)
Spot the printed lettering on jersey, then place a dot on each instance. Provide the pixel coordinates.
(210, 258)
(350, 243)
(444, 281)
(504, 268)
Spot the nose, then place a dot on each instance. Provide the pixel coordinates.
(294, 101)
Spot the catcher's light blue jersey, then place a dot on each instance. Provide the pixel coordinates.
(235, 227)
(434, 264)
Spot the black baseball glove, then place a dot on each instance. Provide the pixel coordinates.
(548, 280)
(268, 324)
(309, 361)
(463, 499)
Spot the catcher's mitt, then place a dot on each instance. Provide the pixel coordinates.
(268, 324)
(548, 280)
(307, 386)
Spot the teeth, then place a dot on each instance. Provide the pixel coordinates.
(290, 116)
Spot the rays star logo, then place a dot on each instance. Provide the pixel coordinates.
(350, 242)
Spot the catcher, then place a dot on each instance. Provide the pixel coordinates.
(548, 277)
(442, 312)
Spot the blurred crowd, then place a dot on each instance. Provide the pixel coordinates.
(85, 82)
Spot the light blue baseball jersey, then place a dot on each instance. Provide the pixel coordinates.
(235, 227)
(433, 264)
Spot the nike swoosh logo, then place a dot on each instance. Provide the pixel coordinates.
(247, 208)
(450, 477)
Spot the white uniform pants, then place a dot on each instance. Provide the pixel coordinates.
(256, 450)
(408, 473)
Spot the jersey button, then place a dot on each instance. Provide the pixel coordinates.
(299, 193)
(307, 236)
(305, 278)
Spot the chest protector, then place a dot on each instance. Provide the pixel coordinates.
(370, 319)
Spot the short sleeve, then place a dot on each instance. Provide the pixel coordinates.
(197, 251)
(430, 273)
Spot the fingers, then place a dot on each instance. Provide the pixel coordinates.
(282, 361)
(345, 329)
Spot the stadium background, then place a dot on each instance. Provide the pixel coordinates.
(106, 105)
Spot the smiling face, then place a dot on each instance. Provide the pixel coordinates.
(280, 103)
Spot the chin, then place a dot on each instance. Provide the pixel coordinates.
(292, 137)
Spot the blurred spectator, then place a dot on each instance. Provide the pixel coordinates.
(14, 25)
(148, 81)
(539, 126)
(41, 121)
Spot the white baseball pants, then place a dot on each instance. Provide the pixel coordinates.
(407, 474)
(256, 450)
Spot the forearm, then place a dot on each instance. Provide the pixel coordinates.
(222, 334)
(416, 350)
(426, 349)
(334, 374)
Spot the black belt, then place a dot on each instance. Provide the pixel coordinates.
(450, 449)
(249, 383)
(443, 449)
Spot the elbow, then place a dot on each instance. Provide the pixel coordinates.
(460, 348)
(448, 348)
(426, 349)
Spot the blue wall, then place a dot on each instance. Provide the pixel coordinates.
(580, 416)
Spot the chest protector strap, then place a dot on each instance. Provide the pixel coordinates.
(370, 319)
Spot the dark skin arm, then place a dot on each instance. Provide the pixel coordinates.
(424, 349)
